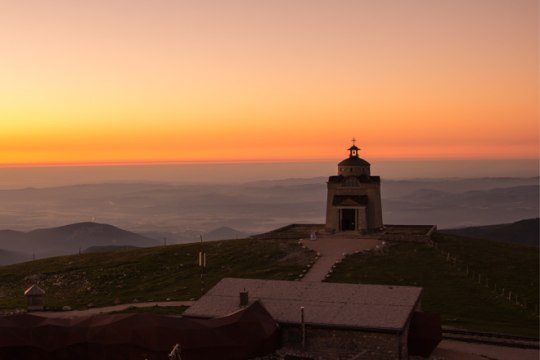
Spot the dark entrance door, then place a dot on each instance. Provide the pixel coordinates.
(348, 219)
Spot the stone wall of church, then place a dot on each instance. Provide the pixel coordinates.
(361, 218)
(332, 214)
(373, 211)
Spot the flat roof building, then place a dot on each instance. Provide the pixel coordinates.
(341, 320)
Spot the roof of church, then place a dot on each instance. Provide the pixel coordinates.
(353, 306)
(354, 161)
(349, 200)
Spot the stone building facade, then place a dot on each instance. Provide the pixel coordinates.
(324, 321)
(354, 197)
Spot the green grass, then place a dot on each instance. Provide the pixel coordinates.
(461, 301)
(510, 266)
(150, 274)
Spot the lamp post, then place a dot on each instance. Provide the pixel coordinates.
(202, 264)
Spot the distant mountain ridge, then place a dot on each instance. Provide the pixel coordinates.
(224, 233)
(179, 213)
(521, 232)
(10, 257)
(70, 239)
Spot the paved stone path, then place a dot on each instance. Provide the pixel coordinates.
(108, 309)
(333, 248)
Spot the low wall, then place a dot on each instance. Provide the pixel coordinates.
(409, 233)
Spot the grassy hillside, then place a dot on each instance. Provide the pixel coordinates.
(156, 273)
(522, 232)
(449, 290)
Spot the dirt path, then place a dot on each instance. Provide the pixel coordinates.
(334, 248)
(108, 309)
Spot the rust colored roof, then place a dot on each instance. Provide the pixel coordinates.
(358, 306)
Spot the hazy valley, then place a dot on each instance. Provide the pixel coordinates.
(160, 213)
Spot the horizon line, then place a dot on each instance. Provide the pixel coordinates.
(232, 162)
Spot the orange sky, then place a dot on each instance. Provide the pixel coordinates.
(120, 81)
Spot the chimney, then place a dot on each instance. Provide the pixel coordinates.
(244, 298)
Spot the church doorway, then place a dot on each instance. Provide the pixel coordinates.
(348, 219)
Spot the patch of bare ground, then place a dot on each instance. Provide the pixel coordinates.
(297, 256)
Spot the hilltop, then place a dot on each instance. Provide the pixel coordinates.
(70, 239)
(171, 272)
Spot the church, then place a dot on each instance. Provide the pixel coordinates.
(354, 197)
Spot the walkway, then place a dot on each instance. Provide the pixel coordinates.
(333, 248)
(458, 350)
(108, 309)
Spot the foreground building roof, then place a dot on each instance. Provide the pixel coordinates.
(353, 306)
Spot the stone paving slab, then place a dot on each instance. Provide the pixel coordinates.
(333, 248)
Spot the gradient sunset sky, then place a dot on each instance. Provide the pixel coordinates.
(137, 81)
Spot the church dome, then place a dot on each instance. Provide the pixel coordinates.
(354, 165)
(354, 161)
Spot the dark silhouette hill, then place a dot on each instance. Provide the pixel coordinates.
(522, 232)
(70, 239)
(109, 248)
(224, 233)
(10, 257)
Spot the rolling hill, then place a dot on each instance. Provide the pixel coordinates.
(171, 272)
(70, 239)
(521, 232)
(149, 274)
(10, 257)
(224, 233)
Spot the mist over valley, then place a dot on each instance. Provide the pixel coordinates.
(158, 213)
